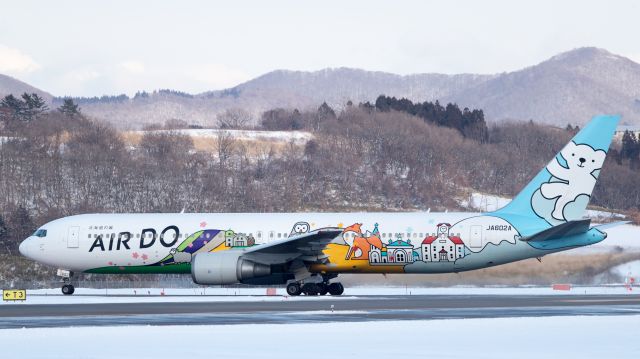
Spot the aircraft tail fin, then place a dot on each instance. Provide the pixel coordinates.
(561, 191)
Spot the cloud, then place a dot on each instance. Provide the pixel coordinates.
(216, 76)
(134, 67)
(14, 61)
(82, 75)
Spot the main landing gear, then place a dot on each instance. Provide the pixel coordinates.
(322, 288)
(67, 287)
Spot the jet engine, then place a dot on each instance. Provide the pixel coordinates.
(225, 267)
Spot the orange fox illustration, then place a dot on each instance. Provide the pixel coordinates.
(359, 244)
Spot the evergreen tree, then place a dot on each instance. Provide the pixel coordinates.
(3, 229)
(3, 234)
(69, 108)
(325, 112)
(34, 106)
(13, 106)
(630, 146)
(470, 123)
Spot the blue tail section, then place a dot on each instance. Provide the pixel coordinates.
(562, 190)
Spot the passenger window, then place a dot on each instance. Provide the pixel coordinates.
(259, 234)
(279, 235)
(271, 234)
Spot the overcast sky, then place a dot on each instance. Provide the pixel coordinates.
(87, 48)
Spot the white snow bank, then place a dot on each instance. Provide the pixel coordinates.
(488, 203)
(246, 135)
(154, 295)
(522, 338)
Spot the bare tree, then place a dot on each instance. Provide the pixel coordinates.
(235, 118)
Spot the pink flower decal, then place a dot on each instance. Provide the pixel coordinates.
(203, 224)
(135, 255)
(110, 263)
(145, 257)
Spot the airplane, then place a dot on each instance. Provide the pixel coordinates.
(307, 251)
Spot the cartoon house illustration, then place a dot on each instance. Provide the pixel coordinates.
(442, 247)
(400, 252)
(238, 240)
(378, 255)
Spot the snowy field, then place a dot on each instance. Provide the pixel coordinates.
(522, 338)
(298, 137)
(151, 295)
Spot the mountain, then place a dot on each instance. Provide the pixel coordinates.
(337, 86)
(568, 88)
(9, 85)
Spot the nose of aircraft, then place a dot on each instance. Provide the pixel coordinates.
(24, 247)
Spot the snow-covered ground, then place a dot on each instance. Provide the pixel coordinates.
(488, 203)
(299, 137)
(150, 295)
(523, 338)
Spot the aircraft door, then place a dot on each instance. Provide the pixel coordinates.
(475, 237)
(73, 239)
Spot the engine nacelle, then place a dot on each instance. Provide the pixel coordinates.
(225, 267)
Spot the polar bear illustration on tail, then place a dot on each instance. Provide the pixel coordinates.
(576, 179)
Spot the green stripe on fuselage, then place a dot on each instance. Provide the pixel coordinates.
(180, 268)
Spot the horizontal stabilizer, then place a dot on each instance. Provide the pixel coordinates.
(563, 230)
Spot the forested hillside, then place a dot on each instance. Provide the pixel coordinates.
(393, 155)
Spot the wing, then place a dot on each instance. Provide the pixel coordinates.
(307, 247)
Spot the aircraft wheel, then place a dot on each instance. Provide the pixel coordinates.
(323, 288)
(293, 289)
(336, 289)
(68, 289)
(310, 289)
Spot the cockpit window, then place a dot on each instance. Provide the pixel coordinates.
(40, 233)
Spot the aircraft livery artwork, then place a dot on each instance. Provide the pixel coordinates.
(356, 250)
(220, 248)
(445, 249)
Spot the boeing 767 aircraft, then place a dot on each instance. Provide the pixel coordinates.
(307, 251)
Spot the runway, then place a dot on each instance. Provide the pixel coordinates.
(283, 310)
